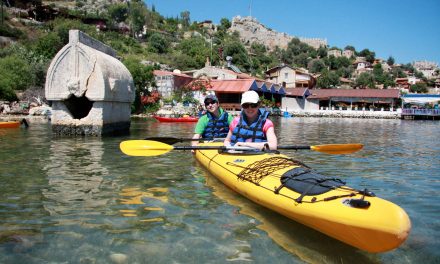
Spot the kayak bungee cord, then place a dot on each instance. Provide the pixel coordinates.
(257, 171)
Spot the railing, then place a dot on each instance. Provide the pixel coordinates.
(425, 112)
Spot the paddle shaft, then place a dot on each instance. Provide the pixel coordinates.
(294, 147)
(211, 147)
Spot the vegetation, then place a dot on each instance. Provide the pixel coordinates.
(139, 34)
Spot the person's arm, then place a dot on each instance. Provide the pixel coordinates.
(227, 141)
(272, 138)
(195, 142)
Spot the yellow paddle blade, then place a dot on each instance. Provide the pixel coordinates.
(338, 148)
(144, 148)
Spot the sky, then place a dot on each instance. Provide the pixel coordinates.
(407, 30)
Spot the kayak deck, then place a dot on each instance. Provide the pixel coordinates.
(355, 217)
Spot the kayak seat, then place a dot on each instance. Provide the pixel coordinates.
(308, 182)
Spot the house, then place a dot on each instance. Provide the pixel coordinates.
(427, 68)
(335, 52)
(216, 73)
(290, 77)
(348, 53)
(168, 82)
(361, 65)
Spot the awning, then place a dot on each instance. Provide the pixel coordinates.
(421, 98)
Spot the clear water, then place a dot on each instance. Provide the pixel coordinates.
(80, 200)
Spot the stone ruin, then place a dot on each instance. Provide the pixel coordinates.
(90, 90)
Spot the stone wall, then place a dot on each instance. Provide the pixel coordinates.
(251, 30)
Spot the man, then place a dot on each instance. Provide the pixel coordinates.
(213, 124)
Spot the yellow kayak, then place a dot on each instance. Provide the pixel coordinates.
(275, 181)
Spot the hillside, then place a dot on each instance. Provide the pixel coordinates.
(144, 38)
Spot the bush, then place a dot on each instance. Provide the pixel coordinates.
(15, 75)
(7, 31)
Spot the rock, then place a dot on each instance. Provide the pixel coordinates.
(118, 258)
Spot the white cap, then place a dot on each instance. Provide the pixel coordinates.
(250, 97)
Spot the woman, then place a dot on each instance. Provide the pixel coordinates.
(252, 128)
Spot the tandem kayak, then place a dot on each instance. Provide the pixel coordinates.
(275, 181)
(176, 119)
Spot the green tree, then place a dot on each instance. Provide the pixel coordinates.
(138, 15)
(118, 12)
(16, 75)
(195, 48)
(142, 77)
(239, 55)
(328, 79)
(260, 59)
(225, 24)
(390, 61)
(369, 55)
(322, 52)
(316, 66)
(349, 47)
(61, 27)
(419, 88)
(158, 43)
(365, 80)
(185, 18)
(48, 45)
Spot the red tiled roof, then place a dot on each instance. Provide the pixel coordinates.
(166, 73)
(295, 91)
(369, 93)
(231, 86)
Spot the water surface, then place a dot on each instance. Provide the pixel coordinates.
(80, 200)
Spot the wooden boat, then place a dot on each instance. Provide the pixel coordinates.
(176, 119)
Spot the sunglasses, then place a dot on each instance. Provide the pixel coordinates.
(210, 102)
(246, 106)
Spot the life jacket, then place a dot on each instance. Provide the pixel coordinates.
(254, 131)
(217, 127)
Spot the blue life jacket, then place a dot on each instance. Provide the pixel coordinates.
(254, 131)
(217, 127)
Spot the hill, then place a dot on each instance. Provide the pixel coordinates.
(146, 40)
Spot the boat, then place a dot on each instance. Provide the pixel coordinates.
(176, 119)
(10, 124)
(326, 204)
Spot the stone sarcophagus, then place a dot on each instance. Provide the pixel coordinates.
(91, 91)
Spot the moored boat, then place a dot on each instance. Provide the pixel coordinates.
(275, 181)
(10, 124)
(176, 119)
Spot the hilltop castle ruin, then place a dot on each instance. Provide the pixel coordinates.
(252, 31)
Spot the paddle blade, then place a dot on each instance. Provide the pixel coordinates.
(338, 148)
(144, 148)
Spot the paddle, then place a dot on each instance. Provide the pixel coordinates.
(155, 148)
(173, 140)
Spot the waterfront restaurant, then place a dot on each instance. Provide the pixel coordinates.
(341, 99)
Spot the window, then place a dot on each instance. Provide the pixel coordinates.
(286, 75)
